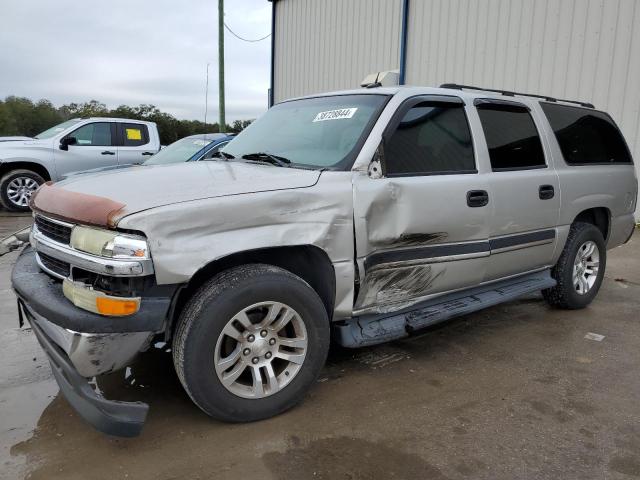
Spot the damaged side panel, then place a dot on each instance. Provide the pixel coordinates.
(185, 238)
(408, 247)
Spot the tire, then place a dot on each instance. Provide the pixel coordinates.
(201, 336)
(567, 293)
(16, 179)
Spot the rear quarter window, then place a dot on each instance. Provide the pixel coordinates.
(585, 136)
(134, 134)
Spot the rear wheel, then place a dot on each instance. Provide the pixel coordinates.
(251, 342)
(580, 269)
(16, 188)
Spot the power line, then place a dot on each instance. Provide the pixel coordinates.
(245, 39)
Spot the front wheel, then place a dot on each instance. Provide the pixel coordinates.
(251, 342)
(580, 269)
(16, 188)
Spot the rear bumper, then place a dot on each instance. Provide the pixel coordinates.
(124, 419)
(622, 229)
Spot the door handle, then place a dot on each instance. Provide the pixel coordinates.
(477, 198)
(108, 152)
(147, 153)
(546, 192)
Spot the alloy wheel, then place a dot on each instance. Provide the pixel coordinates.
(260, 350)
(585, 267)
(20, 189)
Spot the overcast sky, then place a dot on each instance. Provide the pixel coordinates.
(132, 52)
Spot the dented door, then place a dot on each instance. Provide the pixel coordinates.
(421, 227)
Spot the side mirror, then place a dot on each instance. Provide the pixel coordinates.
(66, 141)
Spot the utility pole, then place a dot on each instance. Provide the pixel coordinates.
(222, 122)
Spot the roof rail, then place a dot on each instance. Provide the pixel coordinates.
(512, 94)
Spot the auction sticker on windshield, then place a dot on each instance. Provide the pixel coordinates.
(335, 114)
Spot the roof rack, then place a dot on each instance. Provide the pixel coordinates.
(513, 94)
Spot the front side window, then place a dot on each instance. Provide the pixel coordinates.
(586, 136)
(53, 131)
(512, 137)
(93, 134)
(431, 138)
(321, 132)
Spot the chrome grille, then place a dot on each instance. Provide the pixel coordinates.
(54, 230)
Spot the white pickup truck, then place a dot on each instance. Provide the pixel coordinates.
(77, 144)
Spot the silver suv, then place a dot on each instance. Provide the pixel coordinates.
(360, 216)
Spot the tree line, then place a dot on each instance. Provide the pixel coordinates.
(20, 116)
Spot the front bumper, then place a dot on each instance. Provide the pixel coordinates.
(81, 344)
(123, 419)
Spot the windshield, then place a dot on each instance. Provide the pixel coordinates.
(53, 131)
(317, 132)
(179, 151)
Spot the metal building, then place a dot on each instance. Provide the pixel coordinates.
(587, 50)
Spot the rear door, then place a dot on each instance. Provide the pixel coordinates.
(523, 188)
(422, 224)
(95, 147)
(134, 143)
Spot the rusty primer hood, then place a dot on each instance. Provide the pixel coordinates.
(104, 198)
(63, 204)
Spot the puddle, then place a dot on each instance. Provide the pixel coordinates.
(26, 389)
(344, 457)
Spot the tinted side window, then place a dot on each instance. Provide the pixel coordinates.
(431, 138)
(215, 149)
(512, 137)
(586, 136)
(134, 134)
(93, 134)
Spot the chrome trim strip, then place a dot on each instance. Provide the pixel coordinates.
(104, 266)
(53, 220)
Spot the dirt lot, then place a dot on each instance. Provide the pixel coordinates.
(512, 392)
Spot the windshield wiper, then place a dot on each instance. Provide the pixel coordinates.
(220, 154)
(268, 158)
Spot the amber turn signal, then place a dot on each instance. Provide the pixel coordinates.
(116, 307)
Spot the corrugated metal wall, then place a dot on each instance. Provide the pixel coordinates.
(576, 49)
(587, 50)
(333, 44)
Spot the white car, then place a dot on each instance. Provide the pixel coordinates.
(77, 144)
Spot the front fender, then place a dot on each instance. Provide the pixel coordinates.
(184, 237)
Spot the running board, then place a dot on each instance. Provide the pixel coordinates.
(374, 329)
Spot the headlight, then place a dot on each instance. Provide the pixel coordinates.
(105, 243)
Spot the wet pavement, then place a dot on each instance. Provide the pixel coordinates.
(511, 392)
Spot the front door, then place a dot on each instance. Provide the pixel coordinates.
(524, 192)
(422, 224)
(94, 147)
